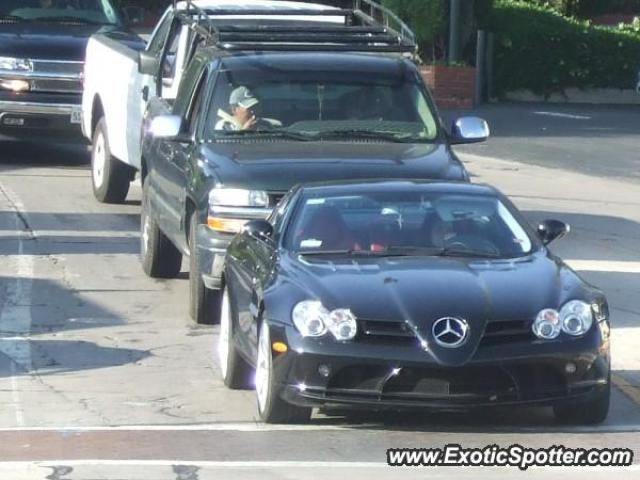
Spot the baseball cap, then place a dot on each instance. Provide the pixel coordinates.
(243, 97)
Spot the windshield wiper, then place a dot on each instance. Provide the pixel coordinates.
(6, 16)
(465, 252)
(372, 134)
(354, 253)
(67, 18)
(267, 134)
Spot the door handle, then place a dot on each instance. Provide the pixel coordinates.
(145, 93)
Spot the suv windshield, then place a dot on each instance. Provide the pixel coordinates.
(320, 105)
(407, 223)
(81, 11)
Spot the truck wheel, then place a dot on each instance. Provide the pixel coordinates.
(236, 372)
(159, 257)
(109, 176)
(585, 413)
(271, 408)
(204, 303)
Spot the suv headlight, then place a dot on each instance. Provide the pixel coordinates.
(15, 64)
(236, 197)
(229, 208)
(312, 319)
(576, 318)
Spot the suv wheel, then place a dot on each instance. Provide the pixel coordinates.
(109, 176)
(271, 408)
(159, 257)
(236, 372)
(204, 303)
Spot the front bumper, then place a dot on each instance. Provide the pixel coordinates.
(212, 248)
(24, 118)
(386, 376)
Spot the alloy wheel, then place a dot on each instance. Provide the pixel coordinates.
(224, 338)
(263, 368)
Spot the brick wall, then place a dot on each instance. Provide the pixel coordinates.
(452, 87)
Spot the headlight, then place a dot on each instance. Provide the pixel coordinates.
(15, 85)
(576, 318)
(547, 324)
(236, 197)
(343, 325)
(312, 319)
(16, 64)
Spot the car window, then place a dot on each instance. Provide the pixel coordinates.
(408, 220)
(322, 102)
(158, 40)
(93, 11)
(196, 102)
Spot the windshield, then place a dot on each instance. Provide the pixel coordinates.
(81, 11)
(407, 223)
(320, 105)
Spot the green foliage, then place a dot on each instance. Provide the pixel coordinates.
(540, 50)
(590, 8)
(427, 18)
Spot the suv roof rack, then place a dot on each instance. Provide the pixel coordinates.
(368, 27)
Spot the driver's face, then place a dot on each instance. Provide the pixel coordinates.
(243, 115)
(46, 3)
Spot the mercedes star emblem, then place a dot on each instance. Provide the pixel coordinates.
(450, 332)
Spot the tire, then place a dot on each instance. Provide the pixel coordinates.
(159, 257)
(109, 176)
(204, 303)
(271, 408)
(592, 412)
(236, 372)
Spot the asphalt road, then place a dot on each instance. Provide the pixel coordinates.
(102, 375)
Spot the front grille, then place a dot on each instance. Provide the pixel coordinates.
(398, 333)
(513, 331)
(388, 332)
(56, 86)
(58, 67)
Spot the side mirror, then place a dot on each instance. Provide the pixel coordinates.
(133, 15)
(550, 230)
(469, 130)
(166, 126)
(148, 63)
(258, 229)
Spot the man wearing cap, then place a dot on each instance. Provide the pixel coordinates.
(243, 104)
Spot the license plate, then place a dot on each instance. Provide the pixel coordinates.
(76, 116)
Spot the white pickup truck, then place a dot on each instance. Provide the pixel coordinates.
(122, 76)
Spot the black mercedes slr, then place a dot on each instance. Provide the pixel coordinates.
(405, 294)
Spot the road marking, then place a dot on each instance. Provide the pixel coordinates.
(563, 115)
(15, 316)
(630, 390)
(604, 266)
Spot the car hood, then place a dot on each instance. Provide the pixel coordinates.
(280, 165)
(47, 41)
(423, 290)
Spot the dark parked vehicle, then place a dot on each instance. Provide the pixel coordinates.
(250, 122)
(406, 294)
(42, 51)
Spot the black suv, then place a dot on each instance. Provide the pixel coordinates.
(42, 51)
(253, 119)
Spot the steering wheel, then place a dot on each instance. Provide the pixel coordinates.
(472, 243)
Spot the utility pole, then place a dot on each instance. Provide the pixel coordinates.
(454, 31)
